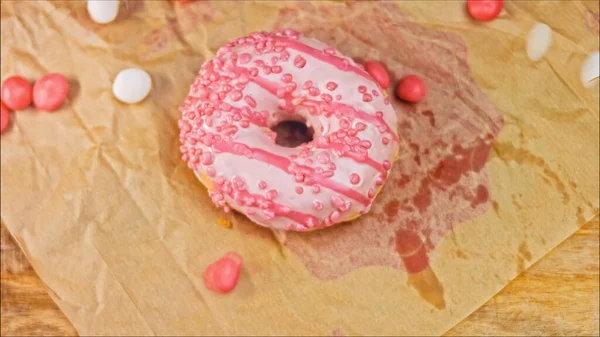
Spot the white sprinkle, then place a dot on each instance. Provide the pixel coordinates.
(103, 11)
(132, 85)
(538, 41)
(590, 71)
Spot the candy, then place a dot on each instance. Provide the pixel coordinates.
(378, 72)
(103, 11)
(590, 70)
(222, 275)
(16, 93)
(132, 85)
(484, 10)
(411, 89)
(4, 117)
(50, 91)
(538, 41)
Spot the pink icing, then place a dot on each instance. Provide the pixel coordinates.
(256, 81)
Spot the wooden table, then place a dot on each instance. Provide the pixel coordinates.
(559, 295)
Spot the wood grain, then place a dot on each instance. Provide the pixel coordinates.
(559, 295)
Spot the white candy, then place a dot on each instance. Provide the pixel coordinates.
(103, 11)
(132, 85)
(590, 70)
(538, 41)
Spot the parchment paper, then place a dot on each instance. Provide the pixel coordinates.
(498, 165)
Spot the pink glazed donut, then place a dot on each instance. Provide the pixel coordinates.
(254, 83)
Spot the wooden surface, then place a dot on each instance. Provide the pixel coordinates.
(557, 296)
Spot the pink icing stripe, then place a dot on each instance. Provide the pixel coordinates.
(352, 155)
(335, 61)
(279, 209)
(283, 164)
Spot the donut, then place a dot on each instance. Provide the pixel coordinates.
(255, 82)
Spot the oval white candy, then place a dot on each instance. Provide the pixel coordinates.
(538, 41)
(103, 11)
(132, 85)
(590, 70)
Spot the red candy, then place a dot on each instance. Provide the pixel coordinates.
(378, 72)
(50, 91)
(411, 89)
(4, 117)
(222, 275)
(16, 92)
(484, 10)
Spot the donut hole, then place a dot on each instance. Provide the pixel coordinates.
(292, 133)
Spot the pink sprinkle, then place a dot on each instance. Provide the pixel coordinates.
(276, 69)
(386, 101)
(235, 95)
(337, 201)
(299, 61)
(313, 91)
(385, 141)
(371, 193)
(318, 205)
(271, 194)
(338, 97)
(207, 158)
(379, 114)
(334, 216)
(330, 51)
(367, 98)
(286, 78)
(326, 97)
(323, 157)
(268, 214)
(301, 228)
(360, 126)
(331, 86)
(254, 72)
(362, 89)
(354, 179)
(227, 209)
(316, 189)
(251, 102)
(386, 164)
(299, 189)
(245, 58)
(379, 181)
(289, 226)
(352, 141)
(366, 144)
(290, 86)
(211, 171)
(262, 184)
(307, 85)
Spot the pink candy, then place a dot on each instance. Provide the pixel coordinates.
(222, 275)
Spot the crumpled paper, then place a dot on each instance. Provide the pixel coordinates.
(497, 166)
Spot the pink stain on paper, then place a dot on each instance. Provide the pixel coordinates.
(439, 180)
